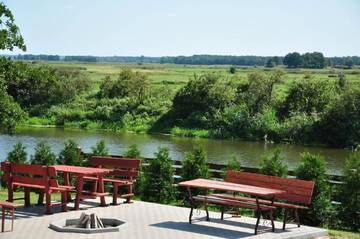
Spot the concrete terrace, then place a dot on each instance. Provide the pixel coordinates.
(149, 220)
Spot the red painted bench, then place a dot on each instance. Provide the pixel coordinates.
(298, 193)
(34, 177)
(123, 174)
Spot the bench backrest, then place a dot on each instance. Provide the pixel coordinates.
(122, 167)
(297, 191)
(29, 174)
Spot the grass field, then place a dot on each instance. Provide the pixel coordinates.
(179, 74)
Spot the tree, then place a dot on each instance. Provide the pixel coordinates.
(350, 193)
(70, 155)
(314, 60)
(274, 164)
(100, 149)
(10, 36)
(133, 152)
(292, 60)
(313, 167)
(159, 178)
(195, 164)
(270, 63)
(348, 62)
(18, 154)
(43, 154)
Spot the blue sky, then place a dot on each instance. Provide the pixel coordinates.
(186, 27)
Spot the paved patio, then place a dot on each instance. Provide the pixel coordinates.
(149, 220)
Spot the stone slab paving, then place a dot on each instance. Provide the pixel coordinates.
(149, 220)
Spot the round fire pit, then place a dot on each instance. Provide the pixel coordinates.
(70, 225)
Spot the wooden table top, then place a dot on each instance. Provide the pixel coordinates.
(231, 187)
(81, 170)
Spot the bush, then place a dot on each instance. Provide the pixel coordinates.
(159, 178)
(43, 154)
(100, 149)
(10, 112)
(133, 152)
(18, 154)
(70, 155)
(350, 193)
(232, 164)
(274, 164)
(195, 164)
(312, 167)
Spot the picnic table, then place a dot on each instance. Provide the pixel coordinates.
(80, 173)
(234, 188)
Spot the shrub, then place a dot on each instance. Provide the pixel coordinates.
(70, 154)
(350, 193)
(313, 167)
(274, 164)
(10, 112)
(18, 154)
(133, 152)
(232, 164)
(195, 164)
(100, 149)
(159, 178)
(43, 154)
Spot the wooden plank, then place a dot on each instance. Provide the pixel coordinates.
(28, 181)
(28, 169)
(113, 162)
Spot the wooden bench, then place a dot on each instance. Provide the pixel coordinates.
(7, 207)
(233, 203)
(34, 177)
(123, 174)
(298, 193)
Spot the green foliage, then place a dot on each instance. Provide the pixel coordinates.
(338, 127)
(18, 154)
(195, 164)
(274, 164)
(310, 96)
(292, 60)
(43, 154)
(314, 60)
(232, 164)
(10, 36)
(70, 155)
(128, 84)
(10, 112)
(206, 93)
(133, 152)
(158, 178)
(100, 149)
(350, 193)
(232, 70)
(313, 167)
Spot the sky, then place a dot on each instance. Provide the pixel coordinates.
(187, 27)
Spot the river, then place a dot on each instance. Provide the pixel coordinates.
(218, 151)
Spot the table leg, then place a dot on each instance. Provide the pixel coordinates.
(12, 219)
(3, 220)
(191, 202)
(101, 189)
(66, 176)
(79, 189)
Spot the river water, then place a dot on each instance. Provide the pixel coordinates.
(218, 151)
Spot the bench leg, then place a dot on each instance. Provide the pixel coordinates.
(272, 220)
(48, 203)
(12, 219)
(64, 197)
(297, 217)
(3, 220)
(27, 197)
(115, 193)
(41, 198)
(257, 221)
(191, 213)
(285, 218)
(130, 191)
(222, 213)
(207, 212)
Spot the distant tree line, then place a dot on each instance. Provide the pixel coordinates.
(314, 60)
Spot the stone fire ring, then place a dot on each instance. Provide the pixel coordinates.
(68, 225)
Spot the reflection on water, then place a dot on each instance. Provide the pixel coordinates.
(218, 150)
